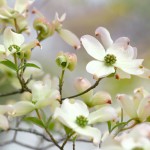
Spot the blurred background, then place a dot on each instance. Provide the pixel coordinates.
(130, 18)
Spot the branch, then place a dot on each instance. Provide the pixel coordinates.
(87, 90)
(29, 131)
(12, 93)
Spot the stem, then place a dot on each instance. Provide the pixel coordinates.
(49, 134)
(121, 115)
(12, 93)
(61, 83)
(73, 144)
(123, 129)
(87, 90)
(16, 26)
(67, 139)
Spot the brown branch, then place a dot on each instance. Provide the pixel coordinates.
(87, 90)
(12, 93)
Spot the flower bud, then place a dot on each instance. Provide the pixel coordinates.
(69, 38)
(62, 61)
(81, 84)
(66, 60)
(100, 98)
(43, 28)
(72, 58)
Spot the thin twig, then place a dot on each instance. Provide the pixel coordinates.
(87, 90)
(29, 131)
(12, 93)
(66, 140)
(49, 134)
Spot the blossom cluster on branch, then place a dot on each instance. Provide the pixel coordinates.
(76, 117)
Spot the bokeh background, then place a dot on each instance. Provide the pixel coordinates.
(130, 18)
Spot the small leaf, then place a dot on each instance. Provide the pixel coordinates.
(109, 126)
(67, 130)
(31, 65)
(9, 64)
(35, 120)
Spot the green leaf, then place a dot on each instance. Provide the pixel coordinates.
(109, 126)
(9, 64)
(31, 65)
(67, 130)
(34, 120)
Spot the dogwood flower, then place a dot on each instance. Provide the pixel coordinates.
(13, 43)
(75, 115)
(43, 94)
(20, 7)
(45, 29)
(16, 15)
(111, 57)
(135, 139)
(136, 106)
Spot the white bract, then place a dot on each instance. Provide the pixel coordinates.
(135, 139)
(43, 94)
(75, 115)
(20, 7)
(13, 43)
(4, 109)
(111, 57)
(136, 106)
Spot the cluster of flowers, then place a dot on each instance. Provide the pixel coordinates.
(116, 59)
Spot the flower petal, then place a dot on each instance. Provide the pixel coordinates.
(3, 122)
(145, 74)
(90, 132)
(144, 109)
(30, 45)
(69, 38)
(81, 84)
(2, 49)
(103, 114)
(53, 96)
(105, 36)
(100, 98)
(99, 69)
(22, 5)
(64, 117)
(121, 74)
(12, 38)
(127, 104)
(74, 108)
(6, 109)
(93, 47)
(122, 42)
(132, 67)
(22, 108)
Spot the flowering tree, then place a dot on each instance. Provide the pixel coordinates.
(76, 117)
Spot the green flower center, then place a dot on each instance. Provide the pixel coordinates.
(82, 121)
(14, 47)
(110, 59)
(62, 61)
(138, 148)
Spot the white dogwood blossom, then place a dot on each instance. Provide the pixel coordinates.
(135, 139)
(75, 115)
(14, 43)
(43, 94)
(111, 57)
(136, 106)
